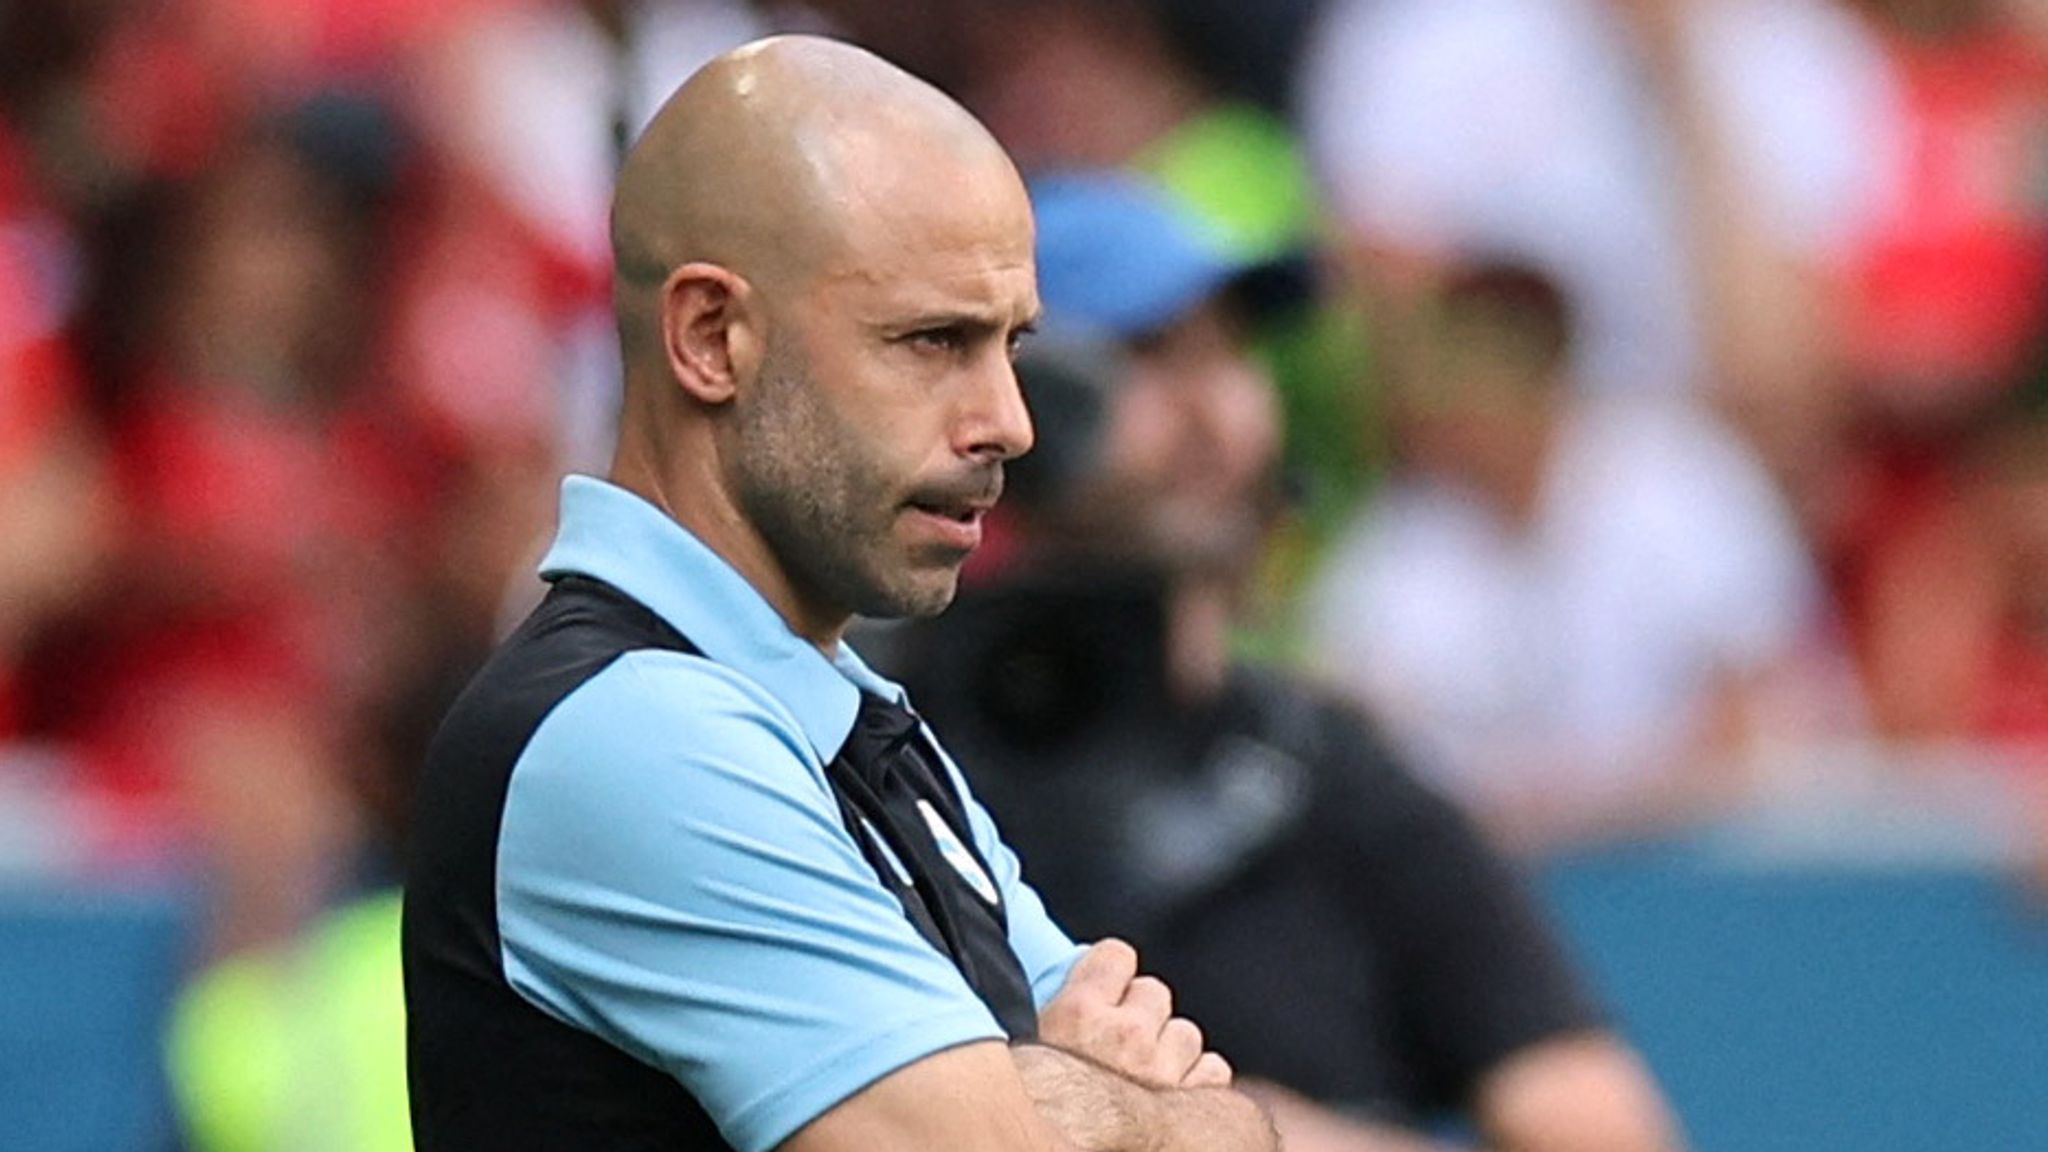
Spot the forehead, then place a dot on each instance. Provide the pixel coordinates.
(928, 227)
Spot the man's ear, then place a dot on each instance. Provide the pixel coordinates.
(711, 331)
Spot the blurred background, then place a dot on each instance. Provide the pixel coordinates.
(1666, 472)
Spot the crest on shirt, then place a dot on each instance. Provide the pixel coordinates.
(957, 854)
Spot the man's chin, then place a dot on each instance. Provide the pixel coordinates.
(923, 595)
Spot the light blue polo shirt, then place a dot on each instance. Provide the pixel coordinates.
(673, 872)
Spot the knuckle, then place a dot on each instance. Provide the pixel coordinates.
(1112, 949)
(1153, 993)
(1127, 1030)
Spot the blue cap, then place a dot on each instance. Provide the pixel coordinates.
(1118, 255)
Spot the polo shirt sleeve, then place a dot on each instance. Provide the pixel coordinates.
(1044, 949)
(673, 877)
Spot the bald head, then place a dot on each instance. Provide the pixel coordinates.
(774, 162)
(824, 266)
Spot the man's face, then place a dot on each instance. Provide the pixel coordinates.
(873, 442)
(1191, 447)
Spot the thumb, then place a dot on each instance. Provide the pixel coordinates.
(1105, 969)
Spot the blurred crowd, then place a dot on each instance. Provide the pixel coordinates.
(1670, 414)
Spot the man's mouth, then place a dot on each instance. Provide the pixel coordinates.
(960, 503)
(952, 517)
(960, 512)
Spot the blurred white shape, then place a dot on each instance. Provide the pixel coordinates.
(1526, 128)
(529, 97)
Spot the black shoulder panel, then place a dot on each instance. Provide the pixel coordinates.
(487, 1069)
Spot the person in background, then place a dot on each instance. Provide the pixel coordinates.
(265, 493)
(1343, 933)
(1582, 614)
(1943, 335)
(1693, 173)
(1966, 640)
(60, 518)
(299, 1046)
(57, 512)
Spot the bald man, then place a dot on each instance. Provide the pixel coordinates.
(687, 874)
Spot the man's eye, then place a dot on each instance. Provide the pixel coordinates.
(1017, 341)
(940, 339)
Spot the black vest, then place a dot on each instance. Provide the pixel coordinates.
(489, 1070)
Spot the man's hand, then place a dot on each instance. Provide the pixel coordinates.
(1110, 1014)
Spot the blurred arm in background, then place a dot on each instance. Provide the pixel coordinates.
(1489, 1003)
(1583, 1093)
(1764, 301)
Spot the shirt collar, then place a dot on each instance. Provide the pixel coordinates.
(615, 536)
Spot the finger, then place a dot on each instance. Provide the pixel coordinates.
(1151, 999)
(1210, 1071)
(1105, 969)
(1180, 1049)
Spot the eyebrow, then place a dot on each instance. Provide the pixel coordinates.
(974, 322)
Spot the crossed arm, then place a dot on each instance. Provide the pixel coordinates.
(731, 850)
(1114, 1071)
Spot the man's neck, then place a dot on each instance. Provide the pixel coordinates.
(1199, 614)
(701, 508)
(1519, 474)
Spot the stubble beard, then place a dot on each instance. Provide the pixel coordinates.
(823, 506)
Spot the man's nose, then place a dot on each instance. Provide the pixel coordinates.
(995, 423)
(1235, 402)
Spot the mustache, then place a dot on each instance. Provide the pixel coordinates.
(980, 485)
